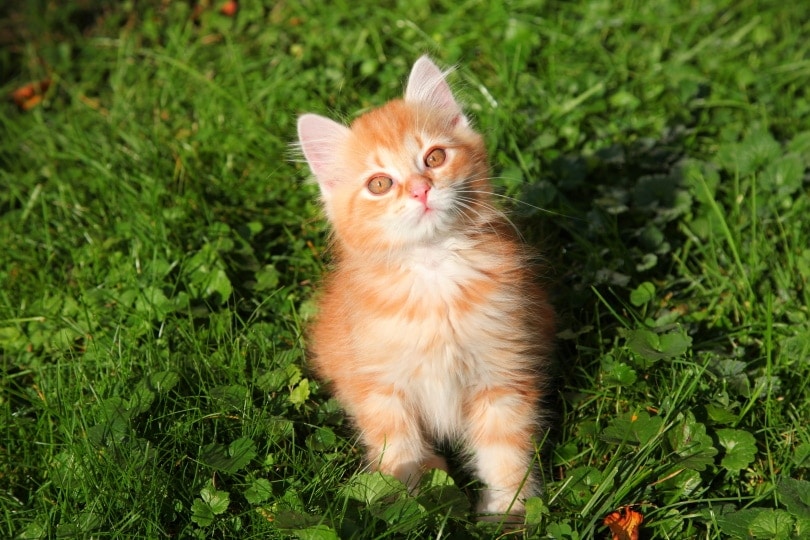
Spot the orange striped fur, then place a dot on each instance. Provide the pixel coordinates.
(430, 324)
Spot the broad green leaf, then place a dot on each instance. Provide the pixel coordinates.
(67, 470)
(562, 530)
(316, 532)
(681, 485)
(33, 531)
(277, 379)
(401, 514)
(536, 510)
(675, 343)
(634, 428)
(259, 491)
(300, 394)
(801, 455)
(369, 488)
(565, 453)
(267, 278)
(276, 427)
(163, 381)
(231, 396)
(691, 443)
(800, 144)
(737, 524)
(152, 302)
(438, 491)
(783, 176)
(795, 495)
(579, 482)
(218, 283)
(230, 460)
(322, 439)
(617, 373)
(755, 150)
(652, 347)
(802, 527)
(642, 294)
(217, 501)
(146, 390)
(720, 415)
(206, 274)
(201, 513)
(241, 451)
(740, 448)
(11, 336)
(141, 400)
(772, 523)
(113, 422)
(294, 519)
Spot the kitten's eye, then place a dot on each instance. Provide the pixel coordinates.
(435, 157)
(379, 185)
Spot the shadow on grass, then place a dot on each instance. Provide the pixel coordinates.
(603, 223)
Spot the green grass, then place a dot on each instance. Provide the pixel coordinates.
(160, 248)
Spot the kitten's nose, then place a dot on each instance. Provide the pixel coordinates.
(419, 188)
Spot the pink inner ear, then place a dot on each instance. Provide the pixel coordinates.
(426, 84)
(321, 140)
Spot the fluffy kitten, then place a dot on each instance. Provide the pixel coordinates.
(430, 325)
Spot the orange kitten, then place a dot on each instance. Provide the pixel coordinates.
(430, 326)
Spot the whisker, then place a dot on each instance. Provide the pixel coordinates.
(467, 181)
(469, 203)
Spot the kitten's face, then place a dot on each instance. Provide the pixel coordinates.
(407, 173)
(410, 175)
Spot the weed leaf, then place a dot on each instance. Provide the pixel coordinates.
(617, 373)
(634, 428)
(369, 488)
(771, 523)
(740, 448)
(651, 347)
(316, 532)
(230, 460)
(211, 503)
(230, 397)
(642, 294)
(795, 495)
(801, 456)
(438, 491)
(259, 491)
(691, 443)
(300, 394)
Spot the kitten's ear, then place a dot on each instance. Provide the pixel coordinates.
(321, 140)
(426, 84)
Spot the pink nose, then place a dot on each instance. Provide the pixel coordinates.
(419, 190)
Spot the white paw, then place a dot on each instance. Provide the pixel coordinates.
(497, 506)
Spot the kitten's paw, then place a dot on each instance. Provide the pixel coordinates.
(498, 507)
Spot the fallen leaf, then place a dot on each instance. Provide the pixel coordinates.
(30, 95)
(624, 523)
(229, 8)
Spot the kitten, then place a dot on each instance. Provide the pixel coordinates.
(430, 326)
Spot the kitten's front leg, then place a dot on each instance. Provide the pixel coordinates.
(393, 437)
(501, 424)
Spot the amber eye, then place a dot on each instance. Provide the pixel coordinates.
(379, 185)
(435, 157)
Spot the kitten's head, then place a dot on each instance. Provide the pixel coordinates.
(407, 173)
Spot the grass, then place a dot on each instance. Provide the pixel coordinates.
(160, 250)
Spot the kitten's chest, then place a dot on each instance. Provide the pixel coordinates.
(435, 300)
(437, 273)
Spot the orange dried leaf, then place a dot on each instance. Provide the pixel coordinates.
(30, 95)
(624, 523)
(229, 8)
(30, 103)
